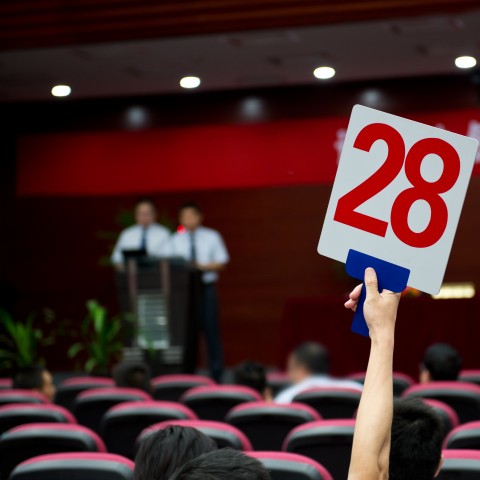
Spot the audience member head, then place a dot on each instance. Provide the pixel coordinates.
(440, 362)
(308, 359)
(164, 451)
(224, 464)
(252, 374)
(145, 212)
(132, 375)
(417, 435)
(37, 378)
(190, 215)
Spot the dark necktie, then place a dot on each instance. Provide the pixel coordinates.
(143, 242)
(193, 250)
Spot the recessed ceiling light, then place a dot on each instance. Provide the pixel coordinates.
(61, 91)
(324, 72)
(189, 82)
(465, 62)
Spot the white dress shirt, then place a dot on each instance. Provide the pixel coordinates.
(287, 395)
(209, 248)
(157, 241)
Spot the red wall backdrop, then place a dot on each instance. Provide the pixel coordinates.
(77, 167)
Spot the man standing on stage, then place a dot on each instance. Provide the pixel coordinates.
(145, 235)
(205, 249)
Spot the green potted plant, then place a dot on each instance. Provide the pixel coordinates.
(100, 339)
(20, 342)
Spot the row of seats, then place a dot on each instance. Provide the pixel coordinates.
(458, 464)
(328, 442)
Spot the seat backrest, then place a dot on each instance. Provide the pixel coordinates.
(290, 466)
(15, 414)
(78, 466)
(278, 381)
(223, 434)
(331, 402)
(267, 424)
(5, 383)
(21, 396)
(329, 442)
(401, 381)
(71, 387)
(214, 402)
(91, 405)
(123, 423)
(464, 437)
(460, 465)
(27, 441)
(447, 414)
(463, 397)
(172, 387)
(470, 376)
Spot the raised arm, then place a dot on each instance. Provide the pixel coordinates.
(371, 442)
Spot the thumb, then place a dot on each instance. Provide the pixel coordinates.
(371, 283)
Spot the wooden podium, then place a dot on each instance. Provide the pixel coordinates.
(159, 301)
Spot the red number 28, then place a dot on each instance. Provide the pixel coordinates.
(421, 189)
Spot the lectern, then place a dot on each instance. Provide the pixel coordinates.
(159, 301)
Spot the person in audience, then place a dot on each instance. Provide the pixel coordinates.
(132, 375)
(205, 249)
(441, 362)
(252, 374)
(164, 451)
(308, 367)
(36, 378)
(224, 464)
(390, 442)
(146, 235)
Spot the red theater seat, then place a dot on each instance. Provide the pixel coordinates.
(123, 423)
(223, 434)
(331, 402)
(447, 414)
(16, 414)
(91, 405)
(214, 402)
(464, 398)
(460, 465)
(401, 381)
(27, 441)
(21, 396)
(71, 387)
(290, 466)
(464, 437)
(329, 442)
(172, 387)
(470, 376)
(78, 466)
(5, 383)
(277, 381)
(267, 424)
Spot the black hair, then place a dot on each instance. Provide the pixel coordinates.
(443, 362)
(251, 374)
(132, 375)
(190, 204)
(147, 200)
(224, 464)
(162, 452)
(417, 435)
(29, 378)
(313, 356)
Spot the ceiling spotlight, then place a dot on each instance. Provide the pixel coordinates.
(189, 82)
(465, 62)
(61, 91)
(324, 72)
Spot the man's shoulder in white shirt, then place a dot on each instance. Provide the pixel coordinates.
(287, 395)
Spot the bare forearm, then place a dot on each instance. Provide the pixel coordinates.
(210, 267)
